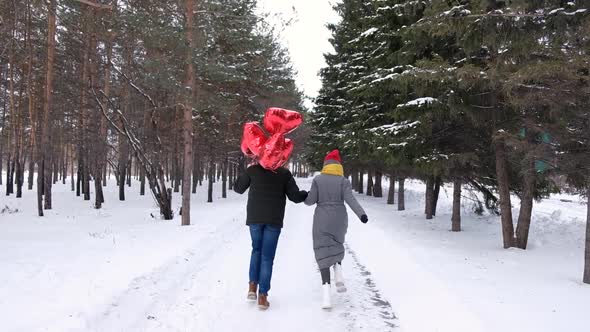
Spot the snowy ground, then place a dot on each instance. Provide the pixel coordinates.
(118, 269)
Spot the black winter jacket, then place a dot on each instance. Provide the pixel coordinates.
(266, 199)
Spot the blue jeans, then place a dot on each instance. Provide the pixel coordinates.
(264, 246)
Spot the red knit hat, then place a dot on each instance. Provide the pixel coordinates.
(334, 155)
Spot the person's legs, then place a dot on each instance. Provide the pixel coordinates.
(256, 232)
(326, 288)
(270, 239)
(338, 278)
(325, 275)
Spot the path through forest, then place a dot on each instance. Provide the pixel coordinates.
(204, 289)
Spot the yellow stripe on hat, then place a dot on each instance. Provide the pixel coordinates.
(333, 169)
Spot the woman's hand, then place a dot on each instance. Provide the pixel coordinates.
(364, 219)
(304, 195)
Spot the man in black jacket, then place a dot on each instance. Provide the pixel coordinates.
(266, 211)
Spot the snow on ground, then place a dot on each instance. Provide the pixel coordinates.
(118, 269)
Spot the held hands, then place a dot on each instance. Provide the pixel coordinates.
(304, 194)
(364, 219)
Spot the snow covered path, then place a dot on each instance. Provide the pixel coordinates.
(204, 290)
(118, 269)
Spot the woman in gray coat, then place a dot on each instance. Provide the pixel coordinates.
(329, 191)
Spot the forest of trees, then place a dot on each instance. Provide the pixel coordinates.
(489, 95)
(151, 90)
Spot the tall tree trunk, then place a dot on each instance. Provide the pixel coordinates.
(32, 108)
(526, 203)
(188, 113)
(224, 178)
(401, 196)
(129, 170)
(3, 126)
(377, 186)
(456, 218)
(587, 250)
(429, 201)
(370, 182)
(72, 182)
(196, 167)
(231, 176)
(123, 143)
(141, 182)
(211, 176)
(19, 177)
(391, 193)
(122, 177)
(102, 137)
(31, 175)
(176, 167)
(504, 191)
(360, 183)
(46, 132)
(355, 178)
(12, 140)
(436, 193)
(79, 179)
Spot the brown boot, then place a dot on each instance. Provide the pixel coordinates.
(252, 288)
(263, 302)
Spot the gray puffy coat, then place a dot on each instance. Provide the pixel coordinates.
(330, 220)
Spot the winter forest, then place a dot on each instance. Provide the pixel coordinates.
(464, 131)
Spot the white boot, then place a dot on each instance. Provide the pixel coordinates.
(327, 300)
(340, 288)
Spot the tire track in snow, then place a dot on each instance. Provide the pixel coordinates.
(377, 302)
(146, 294)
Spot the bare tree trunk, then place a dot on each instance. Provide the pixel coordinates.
(31, 175)
(361, 185)
(141, 182)
(355, 179)
(391, 193)
(587, 250)
(129, 170)
(428, 206)
(370, 182)
(123, 143)
(231, 176)
(526, 203)
(19, 177)
(122, 177)
(3, 126)
(195, 173)
(211, 176)
(72, 171)
(32, 109)
(188, 114)
(46, 132)
(102, 137)
(224, 178)
(11, 133)
(79, 179)
(401, 196)
(456, 218)
(436, 193)
(377, 186)
(504, 191)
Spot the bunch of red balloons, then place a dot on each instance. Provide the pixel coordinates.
(274, 151)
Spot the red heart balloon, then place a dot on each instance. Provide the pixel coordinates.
(286, 153)
(253, 139)
(281, 121)
(277, 151)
